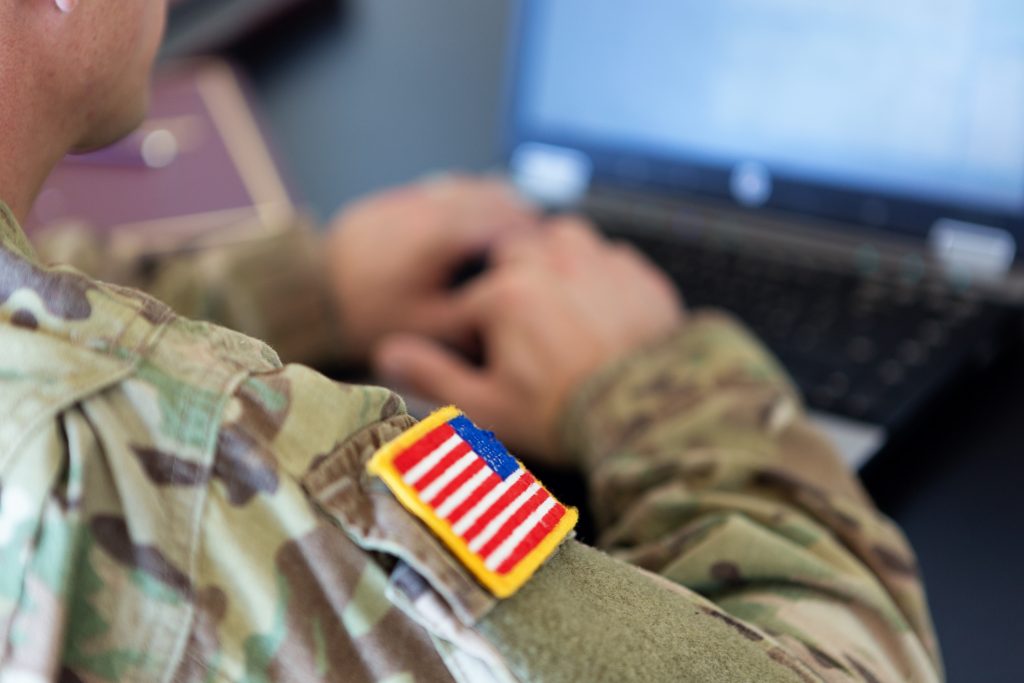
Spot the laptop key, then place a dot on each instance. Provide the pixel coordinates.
(861, 350)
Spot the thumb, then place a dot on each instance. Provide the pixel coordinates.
(429, 369)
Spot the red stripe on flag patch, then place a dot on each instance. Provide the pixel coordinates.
(535, 536)
(517, 518)
(458, 482)
(499, 506)
(441, 467)
(408, 459)
(474, 499)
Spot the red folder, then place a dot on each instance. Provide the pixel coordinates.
(198, 171)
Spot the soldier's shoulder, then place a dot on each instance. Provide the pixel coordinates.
(129, 344)
(41, 374)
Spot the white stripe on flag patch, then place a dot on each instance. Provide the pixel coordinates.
(423, 466)
(502, 552)
(430, 493)
(465, 491)
(471, 517)
(495, 526)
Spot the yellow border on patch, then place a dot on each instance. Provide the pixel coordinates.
(382, 465)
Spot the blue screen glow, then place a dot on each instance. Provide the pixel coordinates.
(921, 98)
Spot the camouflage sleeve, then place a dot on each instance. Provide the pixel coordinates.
(272, 287)
(703, 469)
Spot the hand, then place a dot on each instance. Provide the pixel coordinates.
(554, 308)
(391, 257)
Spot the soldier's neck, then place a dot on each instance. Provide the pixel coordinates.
(34, 138)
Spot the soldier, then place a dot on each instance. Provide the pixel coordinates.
(177, 505)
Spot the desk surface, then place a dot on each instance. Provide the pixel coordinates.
(398, 89)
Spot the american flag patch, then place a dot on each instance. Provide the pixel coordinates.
(480, 501)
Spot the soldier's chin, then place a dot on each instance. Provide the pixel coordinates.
(113, 129)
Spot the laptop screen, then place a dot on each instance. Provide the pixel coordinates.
(893, 113)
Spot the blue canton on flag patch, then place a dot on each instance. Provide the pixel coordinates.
(480, 501)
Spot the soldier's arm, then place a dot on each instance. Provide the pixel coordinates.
(704, 472)
(326, 297)
(273, 287)
(704, 469)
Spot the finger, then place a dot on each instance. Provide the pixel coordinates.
(481, 195)
(497, 294)
(480, 212)
(428, 369)
(571, 233)
(446, 317)
(462, 192)
(633, 263)
(465, 315)
(521, 248)
(566, 245)
(558, 238)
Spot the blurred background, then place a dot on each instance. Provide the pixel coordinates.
(398, 90)
(325, 101)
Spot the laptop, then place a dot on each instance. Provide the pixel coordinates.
(847, 177)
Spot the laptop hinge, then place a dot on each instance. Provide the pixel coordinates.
(972, 250)
(556, 177)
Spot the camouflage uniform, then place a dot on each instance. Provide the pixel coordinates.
(176, 505)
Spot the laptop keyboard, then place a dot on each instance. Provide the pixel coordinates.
(869, 348)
